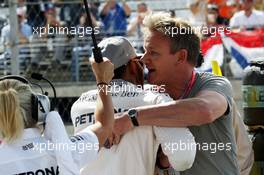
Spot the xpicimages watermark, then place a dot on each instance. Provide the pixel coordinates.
(189, 145)
(65, 146)
(60, 30)
(204, 30)
(130, 91)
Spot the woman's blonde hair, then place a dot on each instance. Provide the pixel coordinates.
(15, 109)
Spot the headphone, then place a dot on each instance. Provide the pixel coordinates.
(40, 103)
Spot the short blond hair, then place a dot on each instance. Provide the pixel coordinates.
(15, 109)
(180, 33)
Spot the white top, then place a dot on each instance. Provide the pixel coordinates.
(256, 19)
(136, 152)
(25, 29)
(34, 154)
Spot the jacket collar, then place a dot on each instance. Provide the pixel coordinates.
(29, 133)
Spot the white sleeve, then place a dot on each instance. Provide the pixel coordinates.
(56, 133)
(5, 34)
(261, 19)
(71, 154)
(178, 144)
(87, 147)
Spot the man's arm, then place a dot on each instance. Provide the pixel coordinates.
(204, 108)
(22, 39)
(195, 7)
(126, 8)
(105, 9)
(131, 28)
(104, 112)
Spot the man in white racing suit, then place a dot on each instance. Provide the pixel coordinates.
(137, 150)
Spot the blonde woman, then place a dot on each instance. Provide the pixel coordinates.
(24, 150)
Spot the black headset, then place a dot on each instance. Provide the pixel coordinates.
(40, 103)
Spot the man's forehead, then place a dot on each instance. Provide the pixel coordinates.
(153, 39)
(148, 44)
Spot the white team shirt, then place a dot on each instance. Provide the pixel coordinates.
(136, 152)
(34, 154)
(256, 19)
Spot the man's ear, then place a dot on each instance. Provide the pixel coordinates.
(182, 55)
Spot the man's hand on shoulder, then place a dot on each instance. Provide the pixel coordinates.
(122, 125)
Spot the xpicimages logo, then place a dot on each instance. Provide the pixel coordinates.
(204, 30)
(51, 30)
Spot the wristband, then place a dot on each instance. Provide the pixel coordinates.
(102, 83)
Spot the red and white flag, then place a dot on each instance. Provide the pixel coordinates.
(242, 46)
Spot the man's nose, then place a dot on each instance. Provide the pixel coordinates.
(144, 58)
